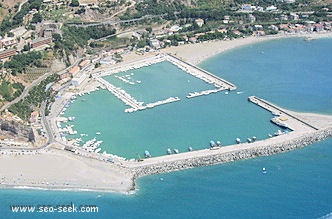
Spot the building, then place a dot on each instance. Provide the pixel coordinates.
(64, 75)
(199, 22)
(47, 32)
(76, 81)
(84, 63)
(294, 16)
(7, 53)
(271, 8)
(40, 42)
(34, 116)
(74, 71)
(154, 43)
(9, 41)
(246, 7)
(251, 18)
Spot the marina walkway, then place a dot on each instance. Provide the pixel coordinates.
(292, 121)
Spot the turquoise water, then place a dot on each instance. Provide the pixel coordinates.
(292, 73)
(189, 122)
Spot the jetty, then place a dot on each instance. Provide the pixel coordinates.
(293, 122)
(200, 73)
(304, 128)
(121, 94)
(219, 83)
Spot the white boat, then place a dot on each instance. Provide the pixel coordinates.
(97, 150)
(169, 151)
(238, 140)
(176, 151)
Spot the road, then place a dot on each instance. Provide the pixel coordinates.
(34, 83)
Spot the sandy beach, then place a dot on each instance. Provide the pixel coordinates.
(199, 52)
(55, 169)
(58, 169)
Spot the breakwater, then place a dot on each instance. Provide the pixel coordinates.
(286, 143)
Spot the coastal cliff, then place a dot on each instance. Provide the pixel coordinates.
(15, 130)
(239, 154)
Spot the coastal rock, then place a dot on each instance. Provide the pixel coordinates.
(16, 130)
(257, 151)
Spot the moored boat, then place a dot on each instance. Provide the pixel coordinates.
(212, 144)
(147, 154)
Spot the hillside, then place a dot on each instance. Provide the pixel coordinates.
(9, 7)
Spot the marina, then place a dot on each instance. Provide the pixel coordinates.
(219, 83)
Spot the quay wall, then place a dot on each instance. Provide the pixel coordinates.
(240, 154)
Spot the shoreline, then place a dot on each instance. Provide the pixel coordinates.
(200, 52)
(88, 175)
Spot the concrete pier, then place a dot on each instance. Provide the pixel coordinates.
(304, 133)
(201, 73)
(121, 94)
(292, 121)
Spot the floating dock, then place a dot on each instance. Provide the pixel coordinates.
(195, 71)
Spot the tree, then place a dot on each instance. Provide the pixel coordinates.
(37, 18)
(74, 3)
(26, 47)
(149, 29)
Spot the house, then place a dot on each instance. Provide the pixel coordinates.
(199, 22)
(289, 1)
(8, 42)
(74, 70)
(273, 27)
(84, 63)
(34, 116)
(318, 27)
(251, 18)
(283, 17)
(258, 27)
(154, 43)
(193, 39)
(294, 16)
(246, 7)
(271, 8)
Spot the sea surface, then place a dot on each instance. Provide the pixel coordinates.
(293, 73)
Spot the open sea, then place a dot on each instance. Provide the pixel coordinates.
(292, 73)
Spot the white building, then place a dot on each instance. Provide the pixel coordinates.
(76, 81)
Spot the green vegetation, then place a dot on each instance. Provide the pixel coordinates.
(36, 96)
(37, 18)
(78, 37)
(10, 91)
(74, 3)
(154, 7)
(17, 20)
(20, 62)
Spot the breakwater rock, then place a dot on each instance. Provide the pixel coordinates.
(240, 153)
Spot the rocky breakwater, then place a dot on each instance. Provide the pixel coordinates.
(266, 147)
